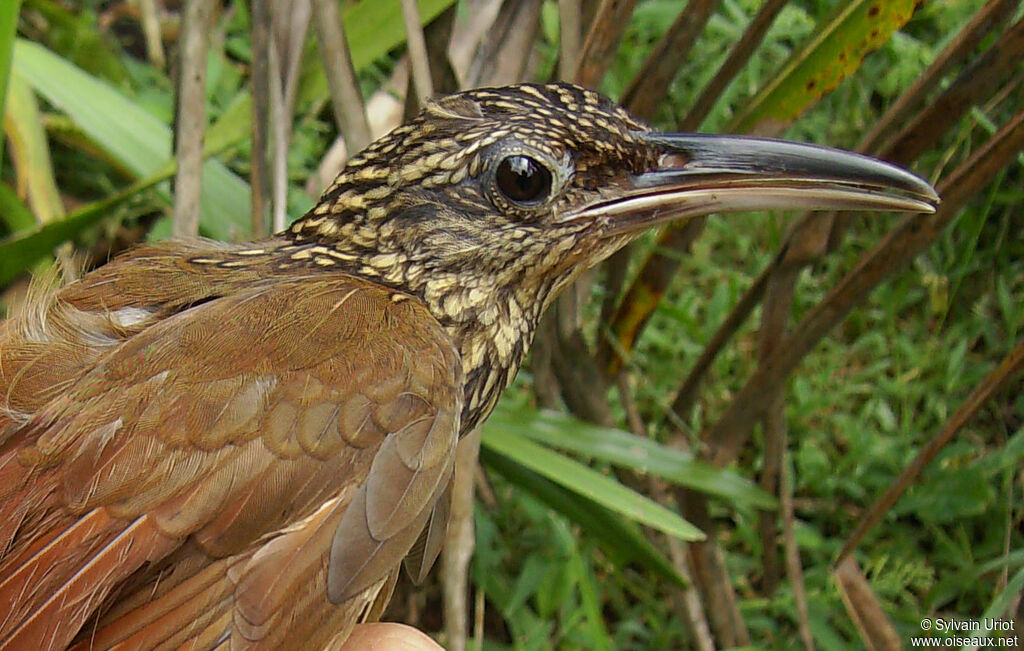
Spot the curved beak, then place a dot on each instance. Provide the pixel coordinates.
(698, 174)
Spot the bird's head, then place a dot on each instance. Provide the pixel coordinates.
(525, 186)
(490, 200)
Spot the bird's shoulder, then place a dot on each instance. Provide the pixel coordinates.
(311, 415)
(212, 309)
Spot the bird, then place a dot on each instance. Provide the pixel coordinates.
(210, 445)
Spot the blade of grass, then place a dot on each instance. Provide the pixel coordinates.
(30, 151)
(621, 539)
(591, 602)
(587, 482)
(629, 451)
(1001, 604)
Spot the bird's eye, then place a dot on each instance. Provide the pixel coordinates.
(523, 180)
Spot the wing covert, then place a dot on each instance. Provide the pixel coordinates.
(295, 425)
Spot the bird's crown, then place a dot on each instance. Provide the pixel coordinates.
(521, 146)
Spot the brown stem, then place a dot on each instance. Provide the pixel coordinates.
(875, 628)
(570, 26)
(150, 21)
(778, 304)
(794, 570)
(506, 50)
(459, 542)
(346, 96)
(602, 41)
(738, 57)
(417, 47)
(711, 576)
(191, 117)
(985, 76)
(958, 50)
(650, 85)
(259, 180)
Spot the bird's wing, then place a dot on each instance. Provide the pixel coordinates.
(255, 466)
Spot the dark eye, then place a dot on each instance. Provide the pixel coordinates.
(523, 180)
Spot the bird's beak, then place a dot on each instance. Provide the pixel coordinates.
(698, 174)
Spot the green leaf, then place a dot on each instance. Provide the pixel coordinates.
(15, 214)
(131, 136)
(372, 28)
(587, 482)
(8, 29)
(619, 538)
(629, 451)
(591, 602)
(20, 251)
(833, 53)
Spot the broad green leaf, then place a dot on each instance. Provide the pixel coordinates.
(130, 135)
(233, 126)
(587, 482)
(630, 451)
(833, 52)
(8, 28)
(372, 28)
(621, 539)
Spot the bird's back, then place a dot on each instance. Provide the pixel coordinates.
(183, 436)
